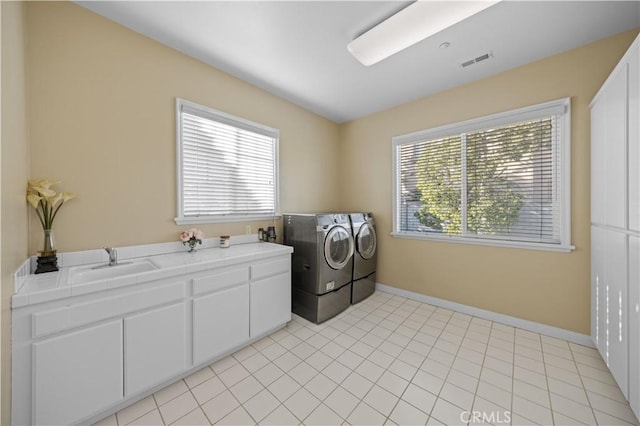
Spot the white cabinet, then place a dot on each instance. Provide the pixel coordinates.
(77, 359)
(154, 347)
(615, 223)
(610, 301)
(597, 162)
(615, 292)
(77, 374)
(220, 322)
(634, 138)
(598, 293)
(270, 304)
(615, 150)
(270, 295)
(634, 323)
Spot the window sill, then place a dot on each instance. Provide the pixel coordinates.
(224, 219)
(485, 242)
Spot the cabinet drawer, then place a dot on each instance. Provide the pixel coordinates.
(270, 267)
(220, 280)
(60, 319)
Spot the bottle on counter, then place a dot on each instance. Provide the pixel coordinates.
(225, 241)
(271, 234)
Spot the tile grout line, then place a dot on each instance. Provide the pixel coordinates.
(387, 368)
(388, 418)
(408, 314)
(444, 380)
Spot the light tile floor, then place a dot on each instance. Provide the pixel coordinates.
(391, 360)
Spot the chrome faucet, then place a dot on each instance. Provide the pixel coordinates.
(113, 255)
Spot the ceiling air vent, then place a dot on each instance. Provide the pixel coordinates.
(477, 59)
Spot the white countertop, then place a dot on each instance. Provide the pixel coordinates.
(55, 285)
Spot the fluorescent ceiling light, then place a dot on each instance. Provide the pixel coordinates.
(412, 24)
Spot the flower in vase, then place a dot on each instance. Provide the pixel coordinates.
(46, 201)
(191, 238)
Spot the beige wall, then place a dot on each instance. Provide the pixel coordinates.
(13, 166)
(545, 287)
(102, 121)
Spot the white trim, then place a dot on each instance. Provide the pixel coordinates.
(223, 117)
(555, 107)
(446, 238)
(536, 327)
(565, 171)
(623, 63)
(219, 219)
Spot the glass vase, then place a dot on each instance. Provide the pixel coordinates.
(49, 244)
(47, 260)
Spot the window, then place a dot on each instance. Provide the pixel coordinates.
(498, 180)
(227, 166)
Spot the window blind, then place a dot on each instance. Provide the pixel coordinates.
(228, 165)
(498, 179)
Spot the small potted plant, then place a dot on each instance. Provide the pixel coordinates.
(191, 238)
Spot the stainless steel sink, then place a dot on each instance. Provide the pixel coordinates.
(80, 274)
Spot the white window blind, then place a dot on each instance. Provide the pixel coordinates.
(497, 180)
(228, 168)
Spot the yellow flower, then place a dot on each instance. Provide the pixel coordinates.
(42, 183)
(34, 200)
(45, 192)
(45, 200)
(52, 201)
(66, 196)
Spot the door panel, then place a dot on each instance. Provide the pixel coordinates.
(338, 247)
(155, 344)
(634, 323)
(634, 140)
(598, 137)
(366, 242)
(615, 257)
(598, 295)
(220, 322)
(77, 374)
(270, 303)
(615, 150)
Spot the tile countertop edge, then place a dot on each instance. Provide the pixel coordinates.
(170, 265)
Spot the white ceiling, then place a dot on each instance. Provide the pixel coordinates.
(298, 49)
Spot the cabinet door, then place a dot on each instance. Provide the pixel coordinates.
(598, 294)
(77, 374)
(270, 303)
(597, 161)
(634, 139)
(634, 324)
(615, 257)
(615, 148)
(155, 347)
(220, 322)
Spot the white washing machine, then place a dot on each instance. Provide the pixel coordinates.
(322, 263)
(365, 257)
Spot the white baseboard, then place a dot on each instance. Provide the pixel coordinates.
(536, 327)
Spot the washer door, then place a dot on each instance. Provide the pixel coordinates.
(366, 241)
(338, 247)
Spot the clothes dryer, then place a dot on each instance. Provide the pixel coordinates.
(365, 257)
(322, 263)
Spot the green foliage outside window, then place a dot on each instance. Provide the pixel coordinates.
(493, 160)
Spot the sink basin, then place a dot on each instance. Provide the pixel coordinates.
(92, 273)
